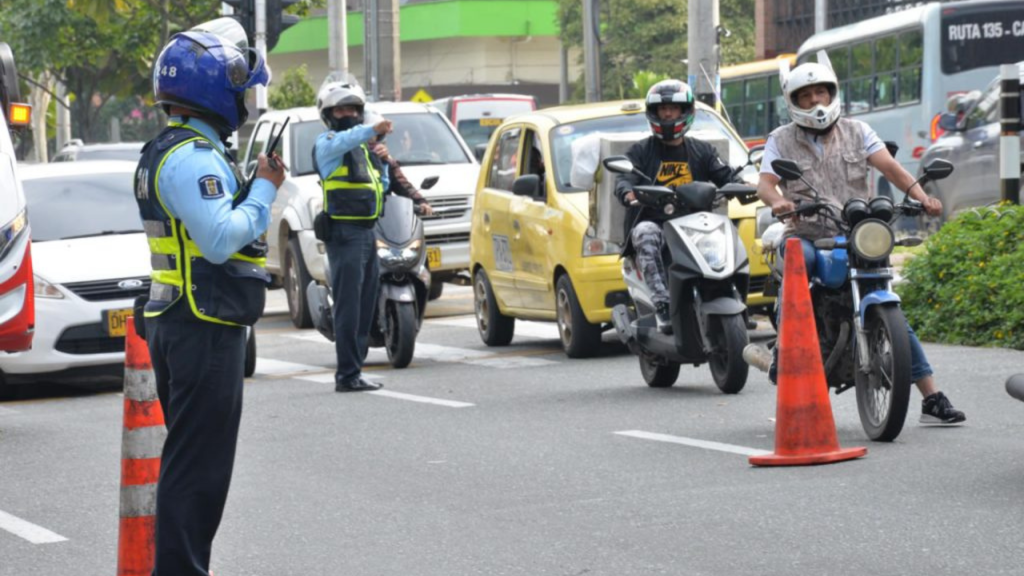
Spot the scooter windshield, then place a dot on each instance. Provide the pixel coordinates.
(398, 225)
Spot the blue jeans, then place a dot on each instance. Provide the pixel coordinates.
(919, 366)
(354, 277)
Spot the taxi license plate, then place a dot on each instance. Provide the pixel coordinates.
(433, 257)
(116, 321)
(490, 121)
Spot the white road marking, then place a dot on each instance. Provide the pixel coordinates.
(7, 411)
(540, 330)
(328, 377)
(706, 444)
(271, 367)
(27, 530)
(423, 399)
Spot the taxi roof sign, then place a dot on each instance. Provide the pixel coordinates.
(20, 114)
(421, 96)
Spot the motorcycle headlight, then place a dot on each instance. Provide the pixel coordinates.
(398, 256)
(44, 289)
(872, 240)
(711, 246)
(762, 220)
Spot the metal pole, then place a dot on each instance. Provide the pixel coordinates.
(371, 47)
(337, 25)
(63, 116)
(702, 48)
(591, 51)
(563, 77)
(389, 51)
(261, 45)
(1009, 130)
(820, 15)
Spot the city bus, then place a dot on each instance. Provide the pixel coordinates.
(17, 296)
(897, 72)
(752, 98)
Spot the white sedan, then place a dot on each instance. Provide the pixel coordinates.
(91, 260)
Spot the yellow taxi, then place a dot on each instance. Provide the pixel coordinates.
(533, 255)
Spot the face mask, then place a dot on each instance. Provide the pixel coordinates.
(346, 123)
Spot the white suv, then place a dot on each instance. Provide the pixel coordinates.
(423, 141)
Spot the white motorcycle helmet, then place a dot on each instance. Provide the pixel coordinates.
(334, 94)
(810, 74)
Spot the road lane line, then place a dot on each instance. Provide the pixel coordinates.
(423, 399)
(706, 444)
(7, 411)
(27, 530)
(541, 330)
(271, 367)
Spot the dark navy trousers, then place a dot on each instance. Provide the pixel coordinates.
(352, 254)
(199, 368)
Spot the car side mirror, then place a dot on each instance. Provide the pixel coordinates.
(892, 147)
(938, 169)
(478, 151)
(527, 185)
(618, 164)
(787, 169)
(429, 182)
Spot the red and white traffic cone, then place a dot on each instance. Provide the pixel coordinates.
(141, 443)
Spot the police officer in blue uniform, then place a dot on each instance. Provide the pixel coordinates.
(208, 279)
(354, 182)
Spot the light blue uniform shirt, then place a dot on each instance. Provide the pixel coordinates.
(331, 147)
(191, 195)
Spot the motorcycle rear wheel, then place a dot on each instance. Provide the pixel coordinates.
(658, 373)
(883, 394)
(400, 332)
(729, 337)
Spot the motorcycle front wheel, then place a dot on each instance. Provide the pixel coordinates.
(658, 373)
(883, 392)
(400, 332)
(728, 339)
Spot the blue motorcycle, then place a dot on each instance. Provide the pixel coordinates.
(861, 327)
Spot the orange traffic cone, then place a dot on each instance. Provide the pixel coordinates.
(805, 432)
(141, 443)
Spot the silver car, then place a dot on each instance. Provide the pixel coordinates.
(971, 143)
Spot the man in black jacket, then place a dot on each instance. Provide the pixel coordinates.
(669, 159)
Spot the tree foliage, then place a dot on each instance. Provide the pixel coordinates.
(651, 35)
(292, 90)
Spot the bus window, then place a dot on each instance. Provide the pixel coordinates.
(885, 72)
(861, 78)
(752, 98)
(911, 55)
(981, 35)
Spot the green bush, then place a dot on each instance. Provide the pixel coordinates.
(968, 287)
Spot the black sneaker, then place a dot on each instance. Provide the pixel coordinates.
(663, 318)
(936, 409)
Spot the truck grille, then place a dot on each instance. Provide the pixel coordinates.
(455, 238)
(99, 290)
(88, 339)
(455, 207)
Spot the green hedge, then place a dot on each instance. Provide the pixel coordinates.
(968, 287)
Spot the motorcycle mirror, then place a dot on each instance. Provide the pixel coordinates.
(618, 164)
(938, 169)
(910, 241)
(892, 147)
(755, 155)
(429, 182)
(787, 169)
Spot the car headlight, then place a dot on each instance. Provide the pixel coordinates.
(872, 240)
(710, 245)
(763, 218)
(44, 289)
(597, 247)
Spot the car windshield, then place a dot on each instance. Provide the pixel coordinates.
(564, 135)
(62, 207)
(478, 130)
(417, 139)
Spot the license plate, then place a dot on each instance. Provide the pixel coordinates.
(490, 121)
(116, 321)
(433, 257)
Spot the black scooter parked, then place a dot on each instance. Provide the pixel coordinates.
(404, 282)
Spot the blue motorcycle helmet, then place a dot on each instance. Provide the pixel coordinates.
(207, 70)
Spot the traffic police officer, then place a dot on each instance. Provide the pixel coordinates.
(208, 280)
(353, 182)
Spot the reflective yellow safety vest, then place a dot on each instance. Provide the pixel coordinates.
(232, 293)
(354, 190)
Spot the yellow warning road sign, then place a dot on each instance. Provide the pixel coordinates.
(421, 96)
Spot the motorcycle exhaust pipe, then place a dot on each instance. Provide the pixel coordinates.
(1015, 386)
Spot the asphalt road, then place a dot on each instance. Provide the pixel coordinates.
(519, 461)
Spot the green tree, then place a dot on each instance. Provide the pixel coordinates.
(651, 35)
(293, 90)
